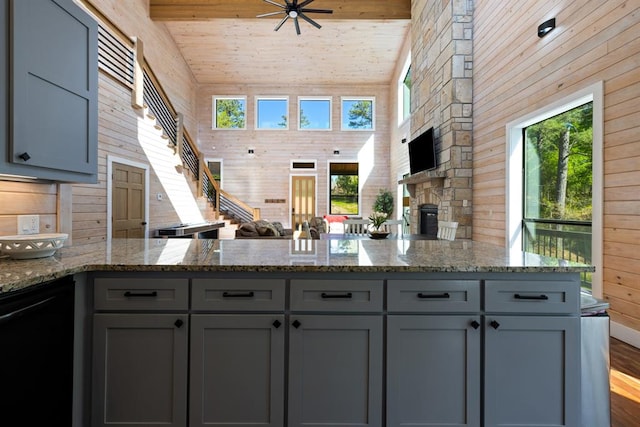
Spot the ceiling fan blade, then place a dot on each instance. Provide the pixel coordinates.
(275, 4)
(304, 3)
(271, 14)
(316, 10)
(295, 3)
(281, 22)
(295, 21)
(288, 3)
(309, 20)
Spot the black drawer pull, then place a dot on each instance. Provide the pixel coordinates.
(327, 296)
(475, 324)
(151, 294)
(296, 324)
(533, 297)
(238, 295)
(178, 323)
(494, 324)
(276, 323)
(425, 296)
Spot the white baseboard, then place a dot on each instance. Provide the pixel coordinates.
(626, 334)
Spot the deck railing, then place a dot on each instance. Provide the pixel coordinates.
(568, 240)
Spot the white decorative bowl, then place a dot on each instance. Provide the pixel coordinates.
(28, 246)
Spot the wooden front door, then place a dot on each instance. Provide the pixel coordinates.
(303, 199)
(128, 205)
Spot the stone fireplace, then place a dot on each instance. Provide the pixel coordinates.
(442, 97)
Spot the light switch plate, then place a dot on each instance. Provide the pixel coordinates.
(28, 224)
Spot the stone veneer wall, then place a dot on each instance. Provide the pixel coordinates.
(442, 96)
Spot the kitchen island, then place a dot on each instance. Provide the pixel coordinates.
(323, 332)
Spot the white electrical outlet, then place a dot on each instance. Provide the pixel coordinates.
(28, 224)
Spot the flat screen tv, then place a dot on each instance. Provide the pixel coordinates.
(422, 152)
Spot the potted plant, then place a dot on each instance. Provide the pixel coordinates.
(384, 202)
(377, 219)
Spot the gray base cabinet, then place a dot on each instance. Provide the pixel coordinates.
(237, 370)
(140, 370)
(335, 371)
(433, 371)
(531, 371)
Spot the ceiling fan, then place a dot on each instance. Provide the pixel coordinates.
(294, 10)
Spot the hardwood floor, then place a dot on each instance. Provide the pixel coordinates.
(625, 384)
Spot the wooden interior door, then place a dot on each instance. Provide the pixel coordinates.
(303, 199)
(128, 205)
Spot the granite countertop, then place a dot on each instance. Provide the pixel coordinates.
(256, 255)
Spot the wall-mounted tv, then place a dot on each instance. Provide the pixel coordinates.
(422, 152)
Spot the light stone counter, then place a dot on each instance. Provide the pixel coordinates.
(255, 255)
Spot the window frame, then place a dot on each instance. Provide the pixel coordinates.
(359, 193)
(403, 115)
(372, 99)
(270, 98)
(514, 177)
(315, 98)
(214, 109)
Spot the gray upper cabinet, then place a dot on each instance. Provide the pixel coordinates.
(49, 91)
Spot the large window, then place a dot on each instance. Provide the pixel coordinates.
(229, 112)
(272, 113)
(343, 191)
(314, 113)
(358, 113)
(558, 182)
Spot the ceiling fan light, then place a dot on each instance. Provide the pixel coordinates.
(293, 14)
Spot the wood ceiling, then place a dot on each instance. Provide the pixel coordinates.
(223, 41)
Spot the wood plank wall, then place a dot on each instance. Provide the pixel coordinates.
(516, 73)
(127, 135)
(265, 175)
(18, 198)
(160, 51)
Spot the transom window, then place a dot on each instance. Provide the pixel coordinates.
(343, 191)
(229, 112)
(314, 113)
(272, 113)
(358, 113)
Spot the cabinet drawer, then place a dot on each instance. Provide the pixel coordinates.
(453, 296)
(238, 294)
(140, 294)
(337, 295)
(552, 297)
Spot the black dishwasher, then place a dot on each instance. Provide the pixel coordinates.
(36, 355)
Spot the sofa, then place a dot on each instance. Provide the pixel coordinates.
(263, 229)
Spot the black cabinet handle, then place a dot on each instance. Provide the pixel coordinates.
(425, 296)
(325, 295)
(531, 297)
(276, 324)
(296, 324)
(494, 324)
(178, 323)
(130, 294)
(475, 324)
(25, 156)
(238, 294)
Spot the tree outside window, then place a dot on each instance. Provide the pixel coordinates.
(272, 113)
(358, 114)
(558, 185)
(229, 113)
(343, 192)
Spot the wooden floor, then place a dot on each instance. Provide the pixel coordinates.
(625, 384)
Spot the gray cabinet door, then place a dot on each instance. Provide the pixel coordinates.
(237, 370)
(433, 371)
(140, 370)
(335, 371)
(532, 371)
(54, 64)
